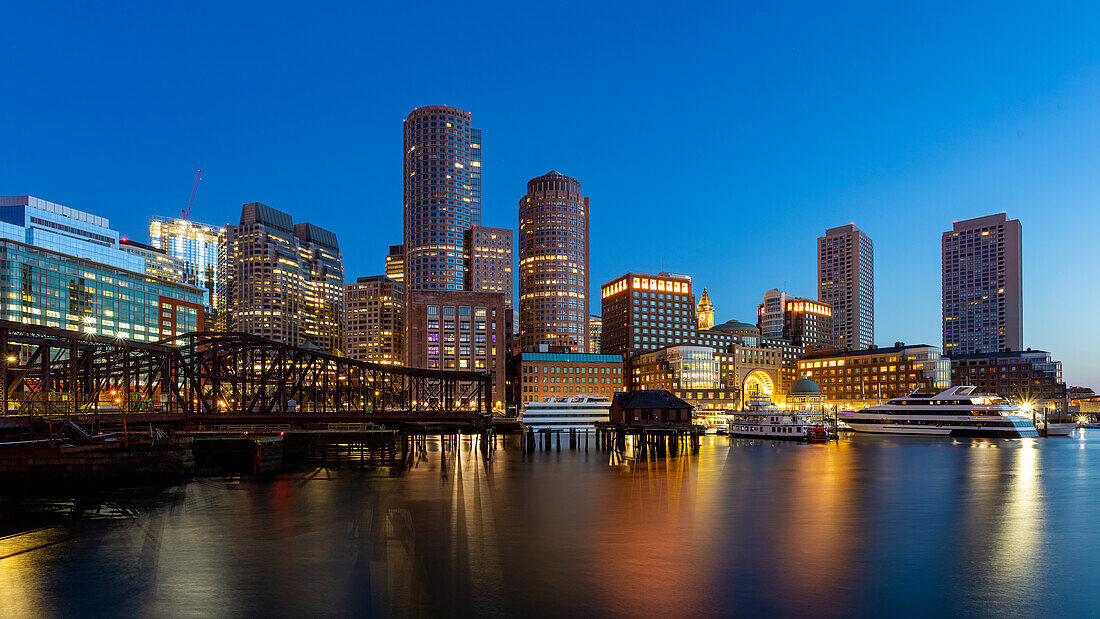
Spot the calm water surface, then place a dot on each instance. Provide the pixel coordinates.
(865, 526)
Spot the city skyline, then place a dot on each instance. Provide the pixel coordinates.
(902, 183)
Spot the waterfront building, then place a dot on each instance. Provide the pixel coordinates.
(861, 378)
(157, 262)
(846, 281)
(395, 263)
(196, 245)
(457, 330)
(438, 196)
(539, 375)
(595, 331)
(649, 408)
(692, 373)
(646, 312)
(489, 256)
(40, 286)
(800, 321)
(705, 311)
(553, 263)
(805, 395)
(983, 286)
(64, 230)
(374, 320)
(1030, 376)
(282, 281)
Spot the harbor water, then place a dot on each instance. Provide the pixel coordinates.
(865, 525)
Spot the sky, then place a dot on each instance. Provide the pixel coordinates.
(713, 140)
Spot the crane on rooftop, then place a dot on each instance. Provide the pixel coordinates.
(187, 211)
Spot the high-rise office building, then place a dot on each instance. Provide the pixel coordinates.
(647, 312)
(374, 319)
(395, 263)
(282, 281)
(705, 311)
(195, 244)
(770, 314)
(983, 286)
(846, 281)
(157, 261)
(475, 177)
(489, 261)
(553, 264)
(63, 268)
(595, 333)
(438, 196)
(802, 322)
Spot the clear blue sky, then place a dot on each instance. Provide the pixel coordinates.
(718, 142)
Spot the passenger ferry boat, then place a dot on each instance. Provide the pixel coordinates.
(958, 411)
(567, 412)
(762, 419)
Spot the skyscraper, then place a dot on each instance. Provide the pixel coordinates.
(802, 322)
(374, 319)
(553, 263)
(983, 286)
(489, 260)
(395, 263)
(282, 281)
(846, 281)
(475, 177)
(438, 196)
(195, 244)
(646, 312)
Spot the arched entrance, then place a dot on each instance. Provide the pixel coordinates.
(757, 381)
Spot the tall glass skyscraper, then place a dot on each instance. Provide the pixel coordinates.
(441, 195)
(195, 244)
(553, 263)
(846, 281)
(983, 297)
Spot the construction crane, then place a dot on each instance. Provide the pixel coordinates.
(187, 211)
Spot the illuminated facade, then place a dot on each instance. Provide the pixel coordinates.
(537, 376)
(1023, 375)
(64, 230)
(705, 311)
(846, 281)
(489, 260)
(595, 329)
(553, 264)
(374, 320)
(43, 287)
(196, 245)
(645, 312)
(457, 330)
(692, 373)
(983, 286)
(282, 281)
(866, 377)
(157, 262)
(395, 263)
(802, 322)
(439, 196)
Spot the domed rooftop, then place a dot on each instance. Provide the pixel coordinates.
(805, 386)
(734, 325)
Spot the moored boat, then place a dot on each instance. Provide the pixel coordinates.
(957, 411)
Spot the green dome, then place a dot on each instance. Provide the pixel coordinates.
(805, 386)
(730, 325)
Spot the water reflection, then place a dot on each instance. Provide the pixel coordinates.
(867, 525)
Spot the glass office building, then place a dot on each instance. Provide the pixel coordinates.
(39, 286)
(64, 230)
(195, 244)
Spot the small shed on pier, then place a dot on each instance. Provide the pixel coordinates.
(656, 407)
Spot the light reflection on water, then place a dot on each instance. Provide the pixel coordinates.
(866, 525)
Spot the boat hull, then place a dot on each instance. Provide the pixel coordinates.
(970, 427)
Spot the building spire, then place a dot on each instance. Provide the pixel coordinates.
(705, 311)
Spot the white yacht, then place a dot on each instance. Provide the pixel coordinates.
(762, 419)
(567, 412)
(958, 411)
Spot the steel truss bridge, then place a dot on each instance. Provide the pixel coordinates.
(206, 376)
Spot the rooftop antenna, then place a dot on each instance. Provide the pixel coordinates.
(185, 213)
